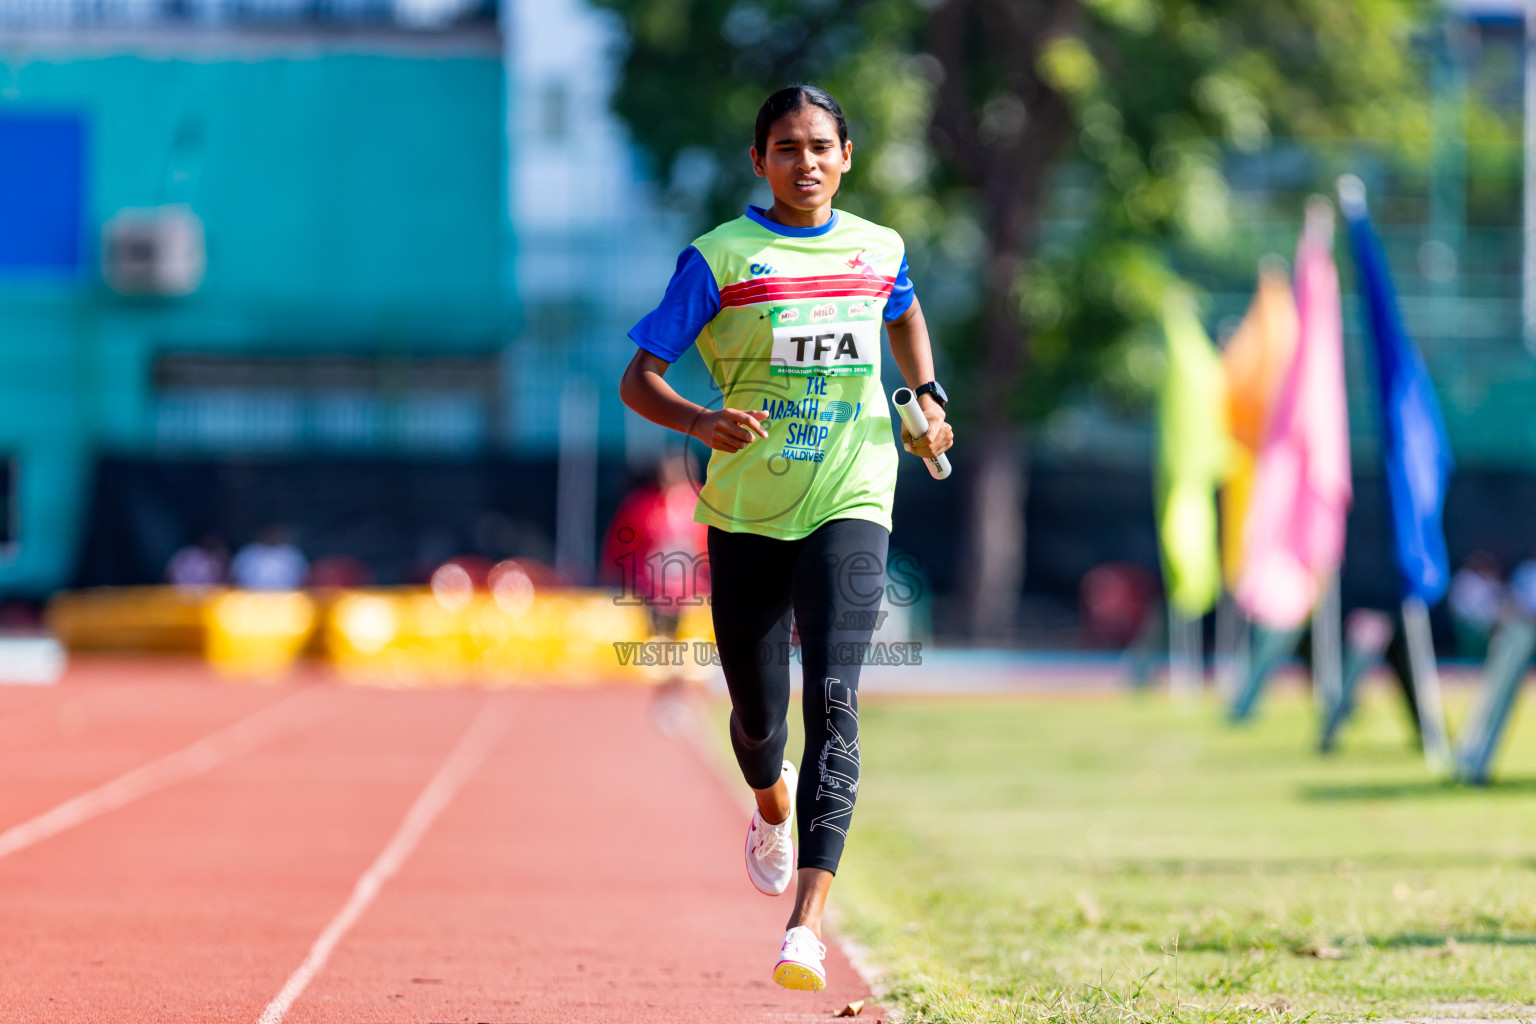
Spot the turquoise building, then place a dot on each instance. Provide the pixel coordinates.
(349, 292)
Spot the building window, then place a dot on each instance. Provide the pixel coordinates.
(443, 405)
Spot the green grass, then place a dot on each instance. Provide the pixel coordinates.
(1119, 859)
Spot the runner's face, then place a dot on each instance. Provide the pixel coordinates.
(805, 162)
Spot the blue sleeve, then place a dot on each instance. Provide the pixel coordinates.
(692, 299)
(902, 294)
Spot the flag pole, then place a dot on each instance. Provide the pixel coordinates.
(1509, 655)
(1231, 651)
(1185, 657)
(1426, 683)
(1327, 650)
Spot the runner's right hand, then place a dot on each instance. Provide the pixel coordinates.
(730, 430)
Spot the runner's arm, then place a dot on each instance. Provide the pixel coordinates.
(914, 355)
(643, 390)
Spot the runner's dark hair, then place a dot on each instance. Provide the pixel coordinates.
(797, 97)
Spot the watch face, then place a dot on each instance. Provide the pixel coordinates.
(936, 390)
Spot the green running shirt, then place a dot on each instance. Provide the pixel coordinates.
(788, 322)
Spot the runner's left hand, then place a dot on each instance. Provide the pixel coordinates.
(940, 437)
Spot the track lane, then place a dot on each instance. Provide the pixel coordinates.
(92, 733)
(462, 762)
(591, 870)
(251, 733)
(196, 902)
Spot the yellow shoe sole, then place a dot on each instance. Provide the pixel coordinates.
(798, 976)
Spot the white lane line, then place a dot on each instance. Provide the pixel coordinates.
(217, 748)
(472, 748)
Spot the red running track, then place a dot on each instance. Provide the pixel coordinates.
(547, 856)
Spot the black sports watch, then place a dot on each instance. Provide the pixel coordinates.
(931, 388)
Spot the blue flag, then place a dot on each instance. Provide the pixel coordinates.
(1414, 449)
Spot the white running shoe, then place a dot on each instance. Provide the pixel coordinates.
(800, 957)
(771, 848)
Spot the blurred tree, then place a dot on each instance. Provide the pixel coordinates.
(976, 122)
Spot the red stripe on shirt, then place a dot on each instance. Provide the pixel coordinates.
(767, 289)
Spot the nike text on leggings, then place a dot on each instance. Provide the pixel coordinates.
(758, 582)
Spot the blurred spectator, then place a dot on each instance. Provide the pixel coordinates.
(1113, 600)
(1522, 588)
(476, 570)
(539, 574)
(1477, 600)
(270, 562)
(204, 564)
(654, 551)
(455, 581)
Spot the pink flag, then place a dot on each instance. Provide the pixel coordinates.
(1295, 527)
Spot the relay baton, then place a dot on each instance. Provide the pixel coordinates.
(917, 425)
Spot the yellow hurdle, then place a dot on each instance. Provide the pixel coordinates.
(402, 637)
(140, 619)
(417, 638)
(251, 634)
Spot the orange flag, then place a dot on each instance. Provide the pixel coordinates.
(1255, 360)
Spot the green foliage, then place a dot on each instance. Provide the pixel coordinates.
(697, 71)
(1166, 92)
(1122, 114)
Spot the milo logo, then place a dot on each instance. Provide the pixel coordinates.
(858, 309)
(789, 316)
(825, 311)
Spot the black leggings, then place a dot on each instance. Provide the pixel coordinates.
(832, 581)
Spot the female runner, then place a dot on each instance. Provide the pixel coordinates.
(786, 304)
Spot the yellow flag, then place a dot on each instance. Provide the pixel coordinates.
(1192, 452)
(1255, 360)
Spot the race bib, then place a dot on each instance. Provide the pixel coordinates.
(823, 345)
